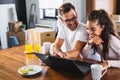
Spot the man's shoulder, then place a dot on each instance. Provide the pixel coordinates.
(82, 24)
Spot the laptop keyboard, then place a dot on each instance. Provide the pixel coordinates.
(83, 66)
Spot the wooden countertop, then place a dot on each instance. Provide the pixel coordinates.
(12, 59)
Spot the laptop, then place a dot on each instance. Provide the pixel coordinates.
(66, 65)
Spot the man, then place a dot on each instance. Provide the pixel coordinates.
(72, 35)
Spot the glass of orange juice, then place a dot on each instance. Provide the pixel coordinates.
(28, 54)
(36, 47)
(28, 50)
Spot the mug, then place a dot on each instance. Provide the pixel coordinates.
(96, 70)
(46, 47)
(51, 49)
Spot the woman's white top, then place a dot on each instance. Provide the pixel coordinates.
(113, 54)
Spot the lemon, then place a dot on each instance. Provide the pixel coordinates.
(24, 71)
(30, 68)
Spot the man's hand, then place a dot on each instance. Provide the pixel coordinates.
(61, 54)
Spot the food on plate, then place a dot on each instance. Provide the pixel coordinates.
(30, 68)
(25, 70)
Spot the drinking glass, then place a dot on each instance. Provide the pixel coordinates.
(46, 47)
(36, 47)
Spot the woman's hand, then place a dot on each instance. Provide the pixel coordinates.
(104, 64)
(95, 40)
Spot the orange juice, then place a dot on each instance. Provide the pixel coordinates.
(36, 48)
(28, 50)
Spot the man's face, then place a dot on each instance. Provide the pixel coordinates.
(70, 19)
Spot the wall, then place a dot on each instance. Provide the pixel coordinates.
(5, 17)
(20, 8)
(21, 16)
(109, 5)
(118, 7)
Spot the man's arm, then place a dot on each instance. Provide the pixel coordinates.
(79, 45)
(77, 48)
(57, 46)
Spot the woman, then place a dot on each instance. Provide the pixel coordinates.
(103, 43)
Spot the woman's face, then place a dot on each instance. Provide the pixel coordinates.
(93, 29)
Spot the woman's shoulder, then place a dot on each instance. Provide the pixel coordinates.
(113, 39)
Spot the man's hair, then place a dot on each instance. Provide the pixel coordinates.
(65, 8)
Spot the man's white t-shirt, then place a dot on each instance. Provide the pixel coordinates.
(70, 37)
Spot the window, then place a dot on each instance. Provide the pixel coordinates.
(48, 13)
(49, 8)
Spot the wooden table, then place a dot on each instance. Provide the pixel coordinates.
(12, 59)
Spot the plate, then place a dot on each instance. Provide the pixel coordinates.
(35, 69)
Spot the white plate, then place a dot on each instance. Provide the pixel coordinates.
(36, 69)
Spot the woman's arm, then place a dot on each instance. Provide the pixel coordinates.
(114, 63)
(114, 52)
(111, 63)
